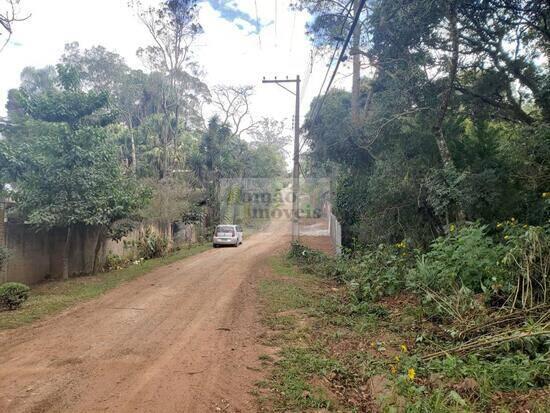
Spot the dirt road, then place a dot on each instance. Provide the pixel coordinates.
(183, 338)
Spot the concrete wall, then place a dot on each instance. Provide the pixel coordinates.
(35, 255)
(3, 270)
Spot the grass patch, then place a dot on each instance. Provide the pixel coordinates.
(297, 382)
(294, 379)
(51, 297)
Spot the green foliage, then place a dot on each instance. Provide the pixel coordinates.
(393, 183)
(65, 169)
(445, 191)
(12, 295)
(152, 245)
(114, 262)
(491, 372)
(466, 257)
(511, 372)
(369, 275)
(378, 272)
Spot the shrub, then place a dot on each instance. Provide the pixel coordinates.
(508, 372)
(370, 275)
(467, 257)
(152, 245)
(114, 262)
(379, 272)
(12, 295)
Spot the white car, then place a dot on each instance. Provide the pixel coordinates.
(227, 235)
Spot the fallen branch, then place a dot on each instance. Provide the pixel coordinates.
(488, 342)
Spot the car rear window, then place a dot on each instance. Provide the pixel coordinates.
(225, 229)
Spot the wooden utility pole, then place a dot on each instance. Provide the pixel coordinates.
(296, 159)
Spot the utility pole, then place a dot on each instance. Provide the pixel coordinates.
(356, 77)
(296, 159)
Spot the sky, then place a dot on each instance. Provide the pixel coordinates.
(243, 41)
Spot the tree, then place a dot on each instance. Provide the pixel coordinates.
(232, 103)
(8, 16)
(173, 27)
(68, 172)
(456, 87)
(332, 20)
(271, 132)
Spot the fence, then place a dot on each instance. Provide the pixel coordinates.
(35, 255)
(334, 229)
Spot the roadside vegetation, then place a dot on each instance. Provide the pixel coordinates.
(374, 331)
(92, 142)
(440, 155)
(52, 296)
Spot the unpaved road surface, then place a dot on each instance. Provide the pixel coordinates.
(183, 338)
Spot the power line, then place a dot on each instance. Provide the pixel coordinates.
(349, 9)
(276, 23)
(292, 33)
(258, 24)
(341, 57)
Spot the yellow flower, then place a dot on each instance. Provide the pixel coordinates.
(507, 237)
(372, 344)
(397, 358)
(393, 369)
(404, 348)
(411, 374)
(546, 195)
(499, 225)
(452, 228)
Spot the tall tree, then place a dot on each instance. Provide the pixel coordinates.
(233, 106)
(173, 28)
(67, 172)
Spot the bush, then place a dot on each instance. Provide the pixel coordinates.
(467, 257)
(114, 262)
(379, 272)
(370, 275)
(12, 295)
(152, 245)
(508, 372)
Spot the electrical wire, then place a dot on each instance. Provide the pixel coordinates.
(276, 23)
(258, 27)
(317, 101)
(292, 33)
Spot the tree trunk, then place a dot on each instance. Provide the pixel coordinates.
(98, 244)
(356, 78)
(66, 252)
(446, 97)
(132, 144)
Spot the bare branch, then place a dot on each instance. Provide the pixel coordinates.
(7, 18)
(233, 106)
